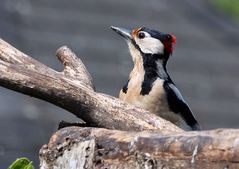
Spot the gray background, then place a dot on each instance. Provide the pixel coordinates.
(204, 66)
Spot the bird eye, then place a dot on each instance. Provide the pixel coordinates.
(141, 35)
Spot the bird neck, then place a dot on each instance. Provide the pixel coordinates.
(151, 66)
(147, 69)
(154, 65)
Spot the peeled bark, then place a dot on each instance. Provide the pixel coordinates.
(76, 147)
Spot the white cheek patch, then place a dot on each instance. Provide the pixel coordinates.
(150, 45)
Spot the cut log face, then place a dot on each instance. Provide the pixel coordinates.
(76, 147)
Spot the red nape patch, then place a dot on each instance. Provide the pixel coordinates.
(168, 44)
(174, 39)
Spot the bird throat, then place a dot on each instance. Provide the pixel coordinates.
(154, 67)
(147, 68)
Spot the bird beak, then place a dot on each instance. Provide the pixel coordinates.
(125, 33)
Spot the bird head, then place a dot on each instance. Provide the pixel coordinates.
(148, 42)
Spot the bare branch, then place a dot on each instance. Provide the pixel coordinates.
(72, 90)
(73, 66)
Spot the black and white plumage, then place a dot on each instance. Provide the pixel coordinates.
(149, 85)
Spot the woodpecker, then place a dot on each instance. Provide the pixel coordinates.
(149, 85)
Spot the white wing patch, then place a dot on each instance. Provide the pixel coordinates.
(177, 92)
(150, 45)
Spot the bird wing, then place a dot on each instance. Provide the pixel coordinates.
(178, 105)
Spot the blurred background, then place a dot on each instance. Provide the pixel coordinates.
(205, 64)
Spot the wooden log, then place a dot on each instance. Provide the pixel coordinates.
(73, 90)
(76, 147)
